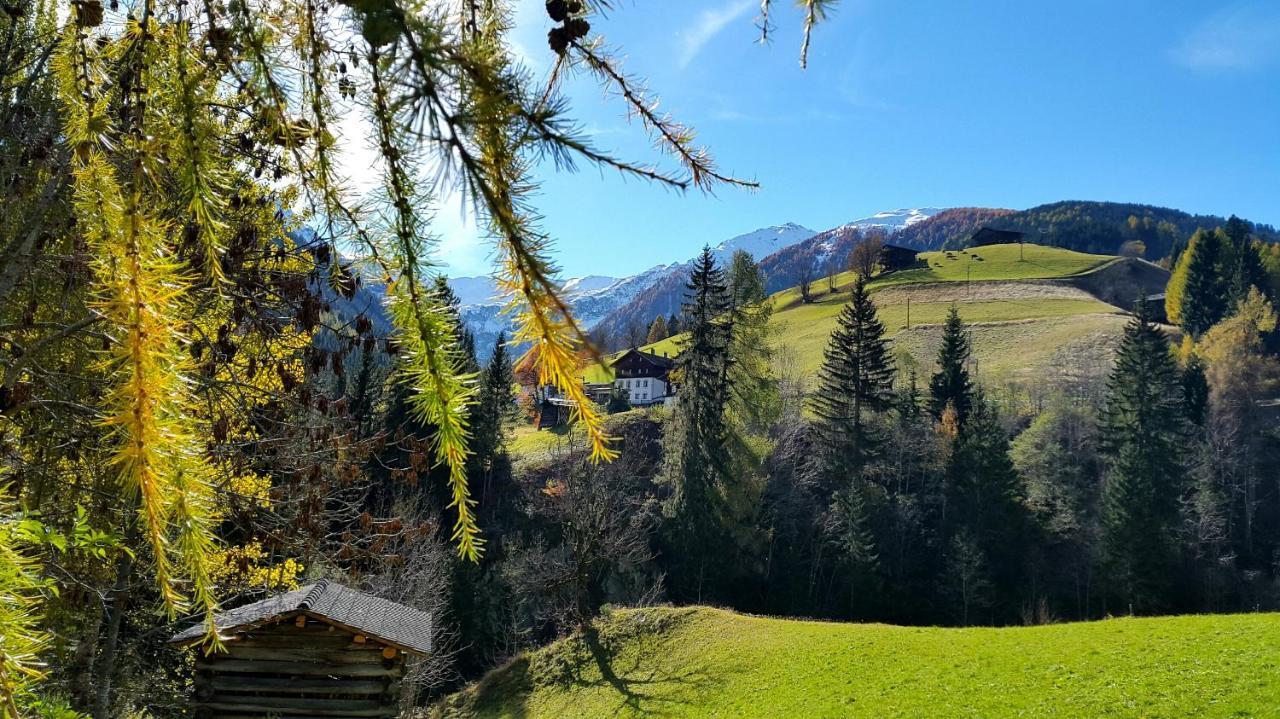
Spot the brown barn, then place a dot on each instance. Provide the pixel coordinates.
(991, 236)
(894, 258)
(323, 650)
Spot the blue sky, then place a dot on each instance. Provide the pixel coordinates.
(909, 104)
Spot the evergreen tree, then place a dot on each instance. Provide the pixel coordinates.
(1142, 431)
(495, 410)
(848, 527)
(466, 340)
(1195, 392)
(657, 330)
(746, 282)
(698, 430)
(755, 400)
(985, 496)
(1204, 294)
(855, 380)
(673, 325)
(1246, 270)
(951, 383)
(908, 401)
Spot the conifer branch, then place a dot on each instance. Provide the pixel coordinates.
(433, 369)
(671, 136)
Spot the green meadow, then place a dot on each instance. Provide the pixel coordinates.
(701, 662)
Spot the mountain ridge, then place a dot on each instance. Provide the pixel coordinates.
(594, 297)
(628, 322)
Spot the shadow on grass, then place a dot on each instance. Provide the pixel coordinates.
(643, 688)
(588, 667)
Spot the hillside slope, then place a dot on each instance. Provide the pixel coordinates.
(698, 662)
(1034, 312)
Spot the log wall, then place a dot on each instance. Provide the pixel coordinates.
(310, 671)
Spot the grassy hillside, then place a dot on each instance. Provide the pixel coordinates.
(1023, 325)
(697, 662)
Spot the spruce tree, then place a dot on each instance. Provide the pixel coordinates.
(699, 448)
(985, 494)
(755, 400)
(1142, 432)
(1246, 270)
(951, 383)
(449, 299)
(1195, 392)
(673, 325)
(746, 282)
(855, 380)
(848, 527)
(495, 409)
(1204, 294)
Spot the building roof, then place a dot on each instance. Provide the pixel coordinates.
(379, 619)
(652, 358)
(887, 249)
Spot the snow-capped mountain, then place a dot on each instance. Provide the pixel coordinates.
(595, 296)
(893, 220)
(762, 242)
(591, 298)
(618, 303)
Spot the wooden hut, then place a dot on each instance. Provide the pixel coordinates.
(894, 258)
(990, 236)
(323, 650)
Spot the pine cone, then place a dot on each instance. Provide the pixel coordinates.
(558, 38)
(578, 28)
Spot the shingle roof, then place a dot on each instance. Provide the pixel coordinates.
(380, 619)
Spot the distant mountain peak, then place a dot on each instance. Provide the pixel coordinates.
(895, 220)
(763, 242)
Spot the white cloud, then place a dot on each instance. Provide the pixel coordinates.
(1243, 36)
(707, 25)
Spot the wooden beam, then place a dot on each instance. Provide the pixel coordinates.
(285, 706)
(318, 685)
(241, 666)
(300, 652)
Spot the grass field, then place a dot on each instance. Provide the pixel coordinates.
(989, 285)
(530, 443)
(698, 662)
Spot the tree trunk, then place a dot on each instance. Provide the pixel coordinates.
(105, 667)
(82, 696)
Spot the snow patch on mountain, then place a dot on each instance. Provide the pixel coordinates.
(763, 242)
(591, 299)
(894, 220)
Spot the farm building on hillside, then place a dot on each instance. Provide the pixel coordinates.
(323, 650)
(894, 258)
(1155, 305)
(990, 236)
(643, 377)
